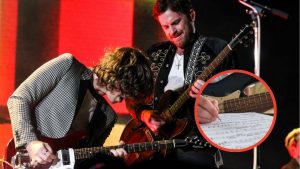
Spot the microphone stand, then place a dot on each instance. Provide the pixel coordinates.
(255, 15)
(257, 11)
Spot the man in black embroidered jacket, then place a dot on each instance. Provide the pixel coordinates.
(176, 64)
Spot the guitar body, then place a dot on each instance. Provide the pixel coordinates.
(176, 127)
(135, 131)
(9, 152)
(56, 144)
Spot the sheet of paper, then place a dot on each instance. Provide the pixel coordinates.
(238, 130)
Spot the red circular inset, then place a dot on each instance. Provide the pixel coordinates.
(211, 139)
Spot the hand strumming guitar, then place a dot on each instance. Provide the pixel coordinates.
(152, 120)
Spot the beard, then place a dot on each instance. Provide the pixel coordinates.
(184, 38)
(182, 42)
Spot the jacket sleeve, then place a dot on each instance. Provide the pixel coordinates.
(21, 104)
(217, 45)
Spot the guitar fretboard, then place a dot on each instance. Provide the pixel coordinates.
(84, 153)
(254, 103)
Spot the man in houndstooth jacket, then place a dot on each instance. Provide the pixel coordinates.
(63, 96)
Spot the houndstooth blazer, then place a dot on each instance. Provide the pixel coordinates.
(46, 101)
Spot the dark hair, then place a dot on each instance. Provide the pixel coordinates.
(183, 6)
(127, 69)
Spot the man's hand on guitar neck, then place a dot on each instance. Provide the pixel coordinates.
(152, 120)
(39, 153)
(196, 88)
(208, 109)
(119, 152)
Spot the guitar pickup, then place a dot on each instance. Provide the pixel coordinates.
(66, 158)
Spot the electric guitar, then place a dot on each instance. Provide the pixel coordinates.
(66, 157)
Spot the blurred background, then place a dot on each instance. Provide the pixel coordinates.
(33, 32)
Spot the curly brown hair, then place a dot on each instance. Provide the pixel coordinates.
(128, 70)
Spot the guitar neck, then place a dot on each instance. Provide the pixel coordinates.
(203, 76)
(254, 103)
(215, 63)
(68, 156)
(84, 153)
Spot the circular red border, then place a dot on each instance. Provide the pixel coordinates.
(265, 85)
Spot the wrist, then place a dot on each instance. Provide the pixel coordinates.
(142, 116)
(145, 116)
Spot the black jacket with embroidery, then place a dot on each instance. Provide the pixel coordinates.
(161, 56)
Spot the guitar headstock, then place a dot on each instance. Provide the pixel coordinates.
(195, 142)
(243, 37)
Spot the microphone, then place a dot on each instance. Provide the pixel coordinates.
(273, 11)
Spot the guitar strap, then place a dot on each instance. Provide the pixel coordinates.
(193, 60)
